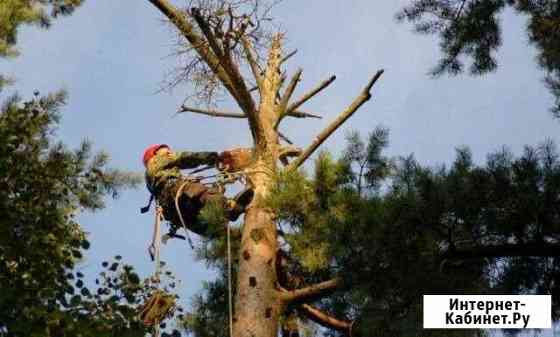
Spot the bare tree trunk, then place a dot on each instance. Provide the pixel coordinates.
(257, 305)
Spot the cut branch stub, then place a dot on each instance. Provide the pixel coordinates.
(229, 114)
(212, 113)
(272, 76)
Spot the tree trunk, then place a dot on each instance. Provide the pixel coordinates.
(257, 304)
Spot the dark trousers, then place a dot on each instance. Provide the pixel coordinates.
(193, 197)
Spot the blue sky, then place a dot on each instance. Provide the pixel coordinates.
(111, 56)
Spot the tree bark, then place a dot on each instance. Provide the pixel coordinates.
(257, 304)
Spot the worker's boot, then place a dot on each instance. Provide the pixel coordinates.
(237, 205)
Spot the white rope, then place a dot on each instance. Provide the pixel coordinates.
(157, 241)
(178, 210)
(229, 281)
(156, 244)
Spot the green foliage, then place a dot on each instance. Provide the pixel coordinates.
(308, 208)
(213, 216)
(208, 316)
(14, 13)
(111, 309)
(4, 82)
(387, 239)
(472, 30)
(386, 226)
(370, 165)
(44, 186)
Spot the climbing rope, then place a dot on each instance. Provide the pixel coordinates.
(157, 246)
(178, 210)
(154, 251)
(230, 292)
(223, 178)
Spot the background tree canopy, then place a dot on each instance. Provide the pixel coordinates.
(45, 186)
(396, 230)
(471, 30)
(14, 13)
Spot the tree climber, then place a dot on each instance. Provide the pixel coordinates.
(169, 186)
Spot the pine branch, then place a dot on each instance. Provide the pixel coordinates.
(288, 94)
(286, 139)
(314, 291)
(213, 113)
(507, 250)
(285, 58)
(325, 319)
(364, 96)
(227, 114)
(250, 56)
(310, 94)
(302, 114)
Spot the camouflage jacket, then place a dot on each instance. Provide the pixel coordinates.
(162, 167)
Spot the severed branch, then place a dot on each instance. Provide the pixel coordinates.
(284, 138)
(285, 58)
(364, 96)
(217, 113)
(310, 94)
(292, 107)
(314, 291)
(288, 93)
(301, 114)
(325, 319)
(251, 59)
(213, 113)
(507, 250)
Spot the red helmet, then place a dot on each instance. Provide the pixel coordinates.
(151, 151)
